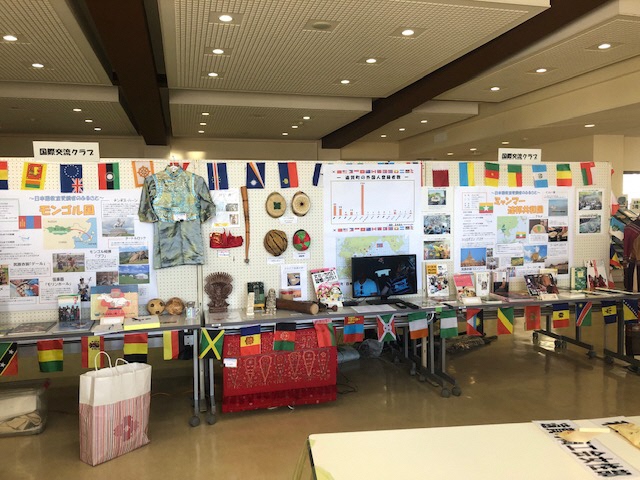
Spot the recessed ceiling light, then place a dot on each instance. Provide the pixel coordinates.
(218, 51)
(37, 65)
(10, 38)
(97, 129)
(424, 121)
(88, 120)
(212, 74)
(494, 89)
(345, 82)
(505, 143)
(294, 126)
(407, 32)
(371, 60)
(401, 129)
(383, 136)
(202, 124)
(285, 133)
(200, 131)
(541, 70)
(473, 149)
(306, 117)
(604, 46)
(205, 114)
(77, 109)
(590, 125)
(449, 153)
(225, 18)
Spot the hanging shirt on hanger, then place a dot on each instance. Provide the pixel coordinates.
(177, 202)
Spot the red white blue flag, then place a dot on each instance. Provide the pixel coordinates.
(71, 178)
(255, 174)
(218, 179)
(288, 174)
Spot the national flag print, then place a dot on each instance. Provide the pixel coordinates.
(515, 175)
(630, 310)
(448, 324)
(583, 314)
(353, 329)
(136, 347)
(539, 176)
(563, 175)
(585, 168)
(29, 222)
(491, 174)
(50, 355)
(317, 174)
(532, 314)
(71, 178)
(467, 174)
(418, 325)
(284, 337)
(325, 332)
(91, 348)
(8, 359)
(33, 176)
(485, 208)
(218, 178)
(440, 177)
(250, 341)
(255, 174)
(171, 344)
(474, 317)
(109, 176)
(505, 321)
(386, 328)
(561, 316)
(609, 311)
(288, 174)
(614, 259)
(4, 176)
(210, 344)
(141, 170)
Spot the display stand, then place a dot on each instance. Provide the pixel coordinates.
(562, 340)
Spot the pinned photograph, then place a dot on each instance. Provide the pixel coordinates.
(438, 224)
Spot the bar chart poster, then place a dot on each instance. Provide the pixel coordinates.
(370, 210)
(373, 196)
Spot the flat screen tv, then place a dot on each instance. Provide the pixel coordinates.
(383, 276)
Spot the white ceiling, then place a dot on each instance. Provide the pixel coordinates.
(277, 67)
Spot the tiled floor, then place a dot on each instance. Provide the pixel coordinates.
(510, 380)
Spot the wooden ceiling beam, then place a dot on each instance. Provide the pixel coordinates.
(384, 110)
(123, 32)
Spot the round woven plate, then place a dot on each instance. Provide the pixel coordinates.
(276, 205)
(300, 204)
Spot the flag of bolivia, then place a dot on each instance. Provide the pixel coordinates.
(491, 174)
(563, 175)
(108, 176)
(515, 175)
(50, 355)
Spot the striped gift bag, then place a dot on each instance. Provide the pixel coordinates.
(114, 411)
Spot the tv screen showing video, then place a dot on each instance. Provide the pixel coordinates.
(383, 276)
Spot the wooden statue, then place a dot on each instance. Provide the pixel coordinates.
(218, 287)
(271, 302)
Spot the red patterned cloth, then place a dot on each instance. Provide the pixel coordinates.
(278, 378)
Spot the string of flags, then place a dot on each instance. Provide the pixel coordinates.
(466, 171)
(71, 178)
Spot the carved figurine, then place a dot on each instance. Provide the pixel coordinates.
(270, 308)
(218, 287)
(250, 299)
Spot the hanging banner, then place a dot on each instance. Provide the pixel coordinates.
(66, 152)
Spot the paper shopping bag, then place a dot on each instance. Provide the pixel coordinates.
(114, 411)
